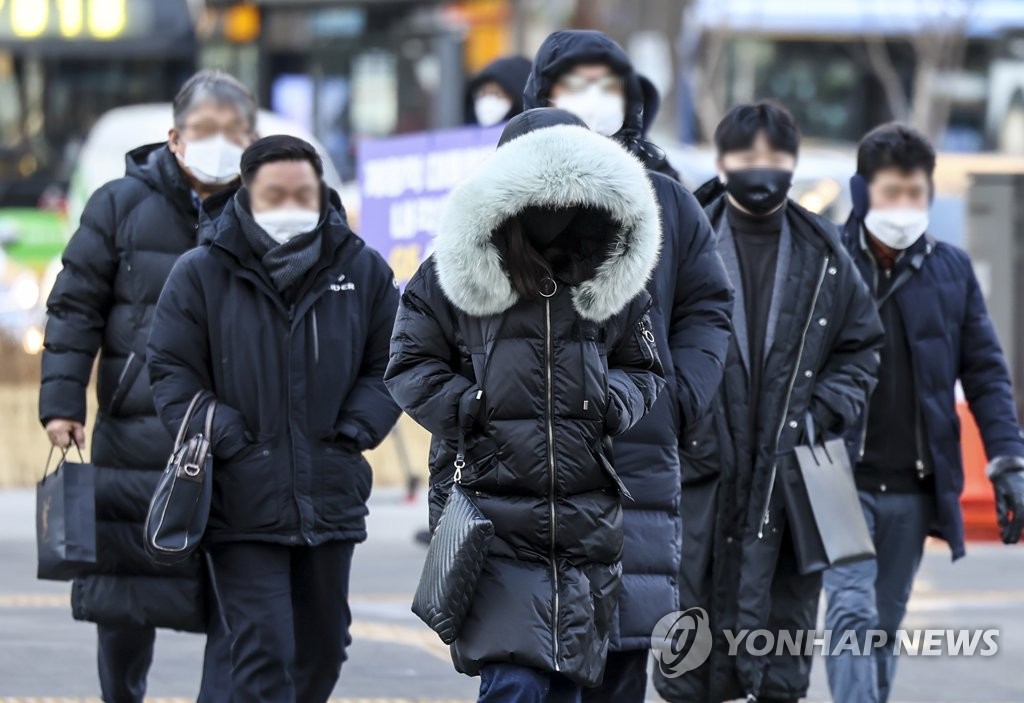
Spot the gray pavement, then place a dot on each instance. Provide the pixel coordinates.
(44, 655)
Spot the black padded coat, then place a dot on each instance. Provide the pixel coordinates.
(132, 231)
(557, 377)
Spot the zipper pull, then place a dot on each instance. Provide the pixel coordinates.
(764, 524)
(586, 405)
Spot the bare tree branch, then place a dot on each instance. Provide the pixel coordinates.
(885, 72)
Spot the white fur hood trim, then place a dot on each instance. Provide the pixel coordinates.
(558, 166)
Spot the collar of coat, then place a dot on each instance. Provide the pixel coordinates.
(558, 166)
(804, 223)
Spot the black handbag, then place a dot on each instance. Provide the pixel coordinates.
(66, 519)
(454, 561)
(180, 507)
(824, 513)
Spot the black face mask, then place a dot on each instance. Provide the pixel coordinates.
(759, 190)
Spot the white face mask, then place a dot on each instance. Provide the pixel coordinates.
(286, 223)
(214, 160)
(897, 228)
(603, 112)
(491, 109)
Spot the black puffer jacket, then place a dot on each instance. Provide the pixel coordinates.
(566, 48)
(559, 376)
(299, 384)
(822, 356)
(132, 231)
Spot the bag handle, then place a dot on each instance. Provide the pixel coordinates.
(63, 456)
(187, 420)
(812, 440)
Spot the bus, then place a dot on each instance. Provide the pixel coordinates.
(63, 64)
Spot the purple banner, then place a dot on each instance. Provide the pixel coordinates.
(403, 182)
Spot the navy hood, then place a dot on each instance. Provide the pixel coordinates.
(510, 72)
(563, 50)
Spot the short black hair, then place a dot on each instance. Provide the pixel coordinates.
(894, 145)
(742, 123)
(280, 147)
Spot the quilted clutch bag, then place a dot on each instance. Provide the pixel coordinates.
(454, 560)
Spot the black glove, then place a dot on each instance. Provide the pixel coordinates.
(471, 410)
(1007, 476)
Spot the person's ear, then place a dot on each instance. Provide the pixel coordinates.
(174, 141)
(721, 170)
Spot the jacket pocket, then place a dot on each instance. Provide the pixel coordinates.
(699, 451)
(247, 489)
(609, 470)
(344, 480)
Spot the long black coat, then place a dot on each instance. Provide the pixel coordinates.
(822, 356)
(558, 377)
(299, 386)
(692, 304)
(132, 231)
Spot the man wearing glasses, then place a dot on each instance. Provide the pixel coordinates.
(132, 231)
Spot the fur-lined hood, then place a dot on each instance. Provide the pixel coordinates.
(559, 166)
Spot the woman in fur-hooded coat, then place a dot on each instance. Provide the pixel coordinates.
(525, 338)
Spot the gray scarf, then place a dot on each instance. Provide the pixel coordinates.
(287, 263)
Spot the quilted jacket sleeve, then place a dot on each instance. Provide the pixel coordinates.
(179, 360)
(635, 374)
(77, 310)
(420, 373)
(702, 305)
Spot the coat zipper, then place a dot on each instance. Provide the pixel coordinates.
(316, 338)
(548, 363)
(789, 395)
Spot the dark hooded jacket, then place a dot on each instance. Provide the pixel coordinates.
(510, 72)
(298, 379)
(692, 303)
(821, 356)
(950, 337)
(132, 231)
(558, 376)
(567, 48)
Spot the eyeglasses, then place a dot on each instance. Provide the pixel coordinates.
(577, 83)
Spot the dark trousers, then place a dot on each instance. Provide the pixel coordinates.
(287, 610)
(511, 683)
(625, 679)
(125, 653)
(873, 594)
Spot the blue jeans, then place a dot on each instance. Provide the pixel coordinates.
(873, 594)
(510, 683)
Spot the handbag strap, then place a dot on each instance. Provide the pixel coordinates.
(208, 428)
(187, 420)
(63, 456)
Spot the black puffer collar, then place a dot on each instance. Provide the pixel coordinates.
(157, 167)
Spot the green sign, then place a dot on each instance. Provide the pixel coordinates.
(32, 237)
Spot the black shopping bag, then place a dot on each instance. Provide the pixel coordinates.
(66, 519)
(834, 505)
